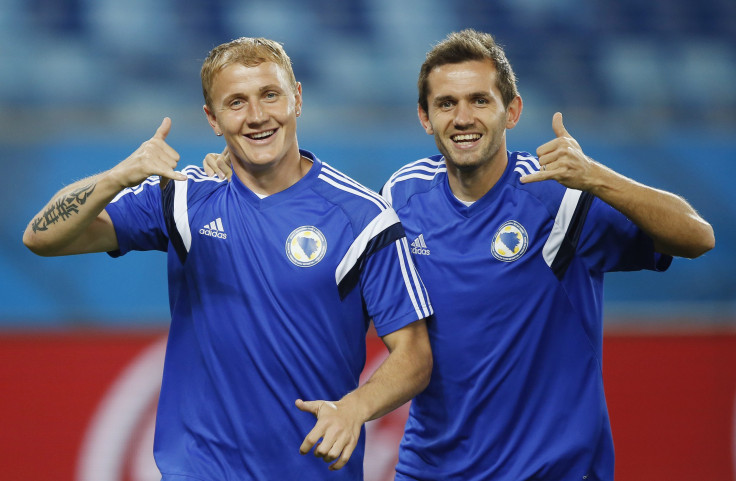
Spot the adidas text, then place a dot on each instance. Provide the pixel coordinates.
(212, 233)
(214, 229)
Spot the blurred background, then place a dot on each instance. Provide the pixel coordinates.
(647, 88)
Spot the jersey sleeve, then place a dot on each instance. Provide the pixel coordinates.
(392, 289)
(379, 263)
(611, 242)
(137, 217)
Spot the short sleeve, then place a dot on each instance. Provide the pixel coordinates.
(137, 217)
(392, 289)
(611, 242)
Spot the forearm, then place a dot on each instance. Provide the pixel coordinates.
(403, 375)
(672, 223)
(70, 214)
(75, 221)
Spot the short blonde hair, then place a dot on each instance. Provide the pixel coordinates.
(246, 51)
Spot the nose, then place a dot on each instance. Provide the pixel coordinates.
(255, 114)
(463, 115)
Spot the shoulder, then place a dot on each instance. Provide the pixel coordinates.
(197, 180)
(150, 185)
(416, 177)
(198, 185)
(549, 193)
(359, 203)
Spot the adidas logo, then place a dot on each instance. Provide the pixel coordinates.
(214, 229)
(419, 247)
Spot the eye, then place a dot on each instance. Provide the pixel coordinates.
(271, 95)
(236, 104)
(482, 101)
(446, 104)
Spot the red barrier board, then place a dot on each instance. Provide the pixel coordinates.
(672, 401)
(80, 406)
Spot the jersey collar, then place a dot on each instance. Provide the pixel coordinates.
(304, 183)
(487, 199)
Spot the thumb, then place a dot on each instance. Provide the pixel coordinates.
(163, 129)
(309, 406)
(558, 126)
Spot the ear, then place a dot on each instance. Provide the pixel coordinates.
(424, 120)
(212, 120)
(298, 98)
(513, 112)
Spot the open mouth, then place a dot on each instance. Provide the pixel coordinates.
(261, 135)
(465, 139)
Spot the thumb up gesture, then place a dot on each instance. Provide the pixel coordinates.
(563, 160)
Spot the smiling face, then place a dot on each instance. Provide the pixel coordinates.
(255, 108)
(467, 116)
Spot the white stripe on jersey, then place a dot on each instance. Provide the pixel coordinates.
(197, 174)
(562, 223)
(181, 212)
(152, 180)
(418, 164)
(414, 171)
(414, 284)
(380, 203)
(529, 158)
(328, 169)
(380, 223)
(193, 172)
(526, 165)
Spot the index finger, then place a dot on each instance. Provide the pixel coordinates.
(547, 147)
(312, 438)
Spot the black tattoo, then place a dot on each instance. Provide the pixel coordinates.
(63, 208)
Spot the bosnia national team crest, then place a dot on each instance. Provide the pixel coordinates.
(509, 242)
(306, 246)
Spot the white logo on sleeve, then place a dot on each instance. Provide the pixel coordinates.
(419, 246)
(214, 229)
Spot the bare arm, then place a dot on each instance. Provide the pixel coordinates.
(74, 221)
(400, 377)
(671, 222)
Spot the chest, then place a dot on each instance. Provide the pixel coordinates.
(498, 247)
(294, 246)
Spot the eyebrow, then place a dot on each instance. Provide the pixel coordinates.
(444, 98)
(265, 88)
(452, 98)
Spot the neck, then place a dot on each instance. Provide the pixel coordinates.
(271, 179)
(470, 183)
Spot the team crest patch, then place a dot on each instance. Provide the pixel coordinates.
(509, 242)
(306, 246)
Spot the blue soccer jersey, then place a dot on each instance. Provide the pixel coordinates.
(270, 301)
(516, 281)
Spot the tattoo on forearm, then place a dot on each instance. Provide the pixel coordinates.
(63, 208)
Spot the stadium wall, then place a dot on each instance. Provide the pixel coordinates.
(80, 406)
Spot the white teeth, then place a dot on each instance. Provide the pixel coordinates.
(466, 137)
(262, 134)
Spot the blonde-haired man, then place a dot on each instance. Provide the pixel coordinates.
(273, 279)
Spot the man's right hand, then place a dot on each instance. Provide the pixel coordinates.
(153, 157)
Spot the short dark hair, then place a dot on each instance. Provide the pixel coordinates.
(463, 46)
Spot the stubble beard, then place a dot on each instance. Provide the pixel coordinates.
(483, 158)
